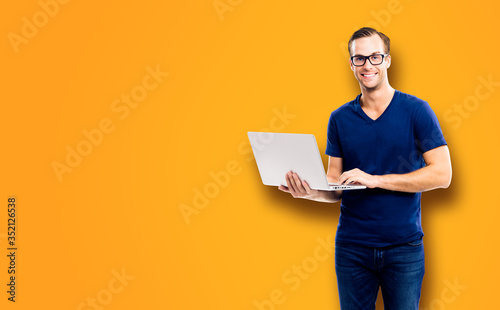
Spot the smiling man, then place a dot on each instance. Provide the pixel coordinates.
(392, 143)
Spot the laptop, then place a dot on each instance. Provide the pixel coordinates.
(278, 153)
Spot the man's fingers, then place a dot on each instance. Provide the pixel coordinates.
(306, 187)
(349, 180)
(283, 188)
(298, 183)
(347, 177)
(295, 186)
(342, 178)
(290, 182)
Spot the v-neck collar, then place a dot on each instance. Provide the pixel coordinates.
(365, 116)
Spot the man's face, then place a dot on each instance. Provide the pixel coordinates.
(370, 76)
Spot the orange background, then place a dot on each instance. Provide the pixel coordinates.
(120, 209)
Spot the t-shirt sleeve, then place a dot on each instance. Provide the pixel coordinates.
(427, 130)
(333, 147)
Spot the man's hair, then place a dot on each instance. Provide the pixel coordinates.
(368, 32)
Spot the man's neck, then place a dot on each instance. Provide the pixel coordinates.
(375, 101)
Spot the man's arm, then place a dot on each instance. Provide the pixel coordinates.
(436, 174)
(300, 189)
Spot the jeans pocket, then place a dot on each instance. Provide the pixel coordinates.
(416, 242)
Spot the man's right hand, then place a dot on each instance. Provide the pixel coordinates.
(299, 188)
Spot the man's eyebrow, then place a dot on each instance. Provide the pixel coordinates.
(377, 52)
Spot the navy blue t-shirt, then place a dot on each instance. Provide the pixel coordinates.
(391, 144)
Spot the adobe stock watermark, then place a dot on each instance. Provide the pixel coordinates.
(220, 180)
(415, 158)
(31, 26)
(454, 116)
(449, 294)
(463, 110)
(121, 108)
(223, 6)
(295, 275)
(105, 296)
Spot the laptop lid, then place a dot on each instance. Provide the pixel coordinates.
(278, 153)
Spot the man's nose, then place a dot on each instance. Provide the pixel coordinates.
(367, 65)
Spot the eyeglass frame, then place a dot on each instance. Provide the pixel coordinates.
(368, 57)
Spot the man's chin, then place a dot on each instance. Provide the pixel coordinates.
(370, 86)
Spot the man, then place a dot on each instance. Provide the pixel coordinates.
(392, 143)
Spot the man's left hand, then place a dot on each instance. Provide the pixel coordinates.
(356, 176)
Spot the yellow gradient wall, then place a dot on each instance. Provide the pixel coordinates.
(124, 144)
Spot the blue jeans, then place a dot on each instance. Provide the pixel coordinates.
(397, 270)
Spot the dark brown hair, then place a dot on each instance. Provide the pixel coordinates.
(368, 32)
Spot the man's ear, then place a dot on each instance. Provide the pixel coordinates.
(351, 65)
(388, 61)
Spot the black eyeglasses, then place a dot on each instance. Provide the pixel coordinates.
(375, 59)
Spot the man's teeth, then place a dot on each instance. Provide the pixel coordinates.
(369, 75)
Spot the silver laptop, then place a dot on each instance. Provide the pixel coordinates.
(278, 153)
